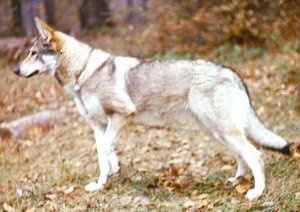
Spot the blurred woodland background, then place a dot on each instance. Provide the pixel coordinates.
(163, 170)
(189, 26)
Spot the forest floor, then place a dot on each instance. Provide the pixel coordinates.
(161, 169)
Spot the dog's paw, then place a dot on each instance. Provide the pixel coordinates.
(115, 169)
(232, 182)
(93, 186)
(253, 194)
(114, 163)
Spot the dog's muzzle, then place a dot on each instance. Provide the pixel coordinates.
(18, 72)
(32, 74)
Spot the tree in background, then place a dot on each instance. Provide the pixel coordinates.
(18, 20)
(94, 13)
(134, 11)
(29, 10)
(23, 13)
(16, 27)
(50, 11)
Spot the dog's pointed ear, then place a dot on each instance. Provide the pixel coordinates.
(45, 31)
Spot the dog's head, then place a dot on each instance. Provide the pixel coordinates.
(44, 54)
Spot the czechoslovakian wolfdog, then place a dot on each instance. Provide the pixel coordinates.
(112, 91)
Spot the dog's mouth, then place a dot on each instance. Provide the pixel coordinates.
(32, 74)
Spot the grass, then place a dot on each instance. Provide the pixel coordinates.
(161, 169)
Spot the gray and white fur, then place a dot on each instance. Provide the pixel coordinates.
(113, 91)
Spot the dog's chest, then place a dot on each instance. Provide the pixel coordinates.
(88, 104)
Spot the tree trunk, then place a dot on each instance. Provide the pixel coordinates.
(101, 11)
(94, 13)
(84, 14)
(134, 14)
(50, 11)
(130, 15)
(17, 17)
(29, 11)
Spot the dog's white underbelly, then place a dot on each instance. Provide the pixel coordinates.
(175, 119)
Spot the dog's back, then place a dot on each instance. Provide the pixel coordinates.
(164, 87)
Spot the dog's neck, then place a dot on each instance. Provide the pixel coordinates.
(77, 62)
(73, 59)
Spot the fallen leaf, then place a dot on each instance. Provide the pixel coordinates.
(141, 169)
(69, 190)
(126, 200)
(144, 201)
(30, 209)
(189, 204)
(27, 143)
(186, 146)
(242, 188)
(297, 195)
(51, 197)
(81, 208)
(202, 203)
(141, 201)
(203, 196)
(61, 189)
(35, 131)
(19, 192)
(178, 160)
(40, 204)
(295, 149)
(8, 208)
(184, 181)
(136, 160)
(226, 167)
(174, 171)
(200, 200)
(268, 204)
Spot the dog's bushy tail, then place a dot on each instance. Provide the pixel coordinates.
(263, 136)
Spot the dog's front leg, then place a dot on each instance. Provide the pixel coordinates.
(107, 159)
(99, 134)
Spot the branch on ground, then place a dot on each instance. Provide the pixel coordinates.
(32, 124)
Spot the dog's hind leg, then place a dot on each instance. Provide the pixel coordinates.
(107, 159)
(240, 172)
(238, 144)
(224, 113)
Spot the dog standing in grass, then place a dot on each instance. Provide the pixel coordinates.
(112, 91)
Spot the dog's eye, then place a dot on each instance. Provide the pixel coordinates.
(33, 53)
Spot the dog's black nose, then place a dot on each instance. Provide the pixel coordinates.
(17, 70)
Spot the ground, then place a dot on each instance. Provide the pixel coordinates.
(161, 169)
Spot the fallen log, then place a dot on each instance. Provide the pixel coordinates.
(24, 126)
